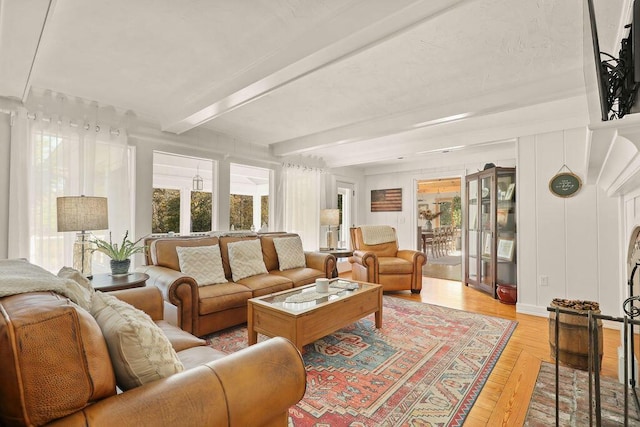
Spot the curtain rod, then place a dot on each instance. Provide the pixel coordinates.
(87, 126)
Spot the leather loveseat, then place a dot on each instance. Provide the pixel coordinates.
(202, 310)
(56, 370)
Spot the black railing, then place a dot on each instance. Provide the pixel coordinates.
(594, 359)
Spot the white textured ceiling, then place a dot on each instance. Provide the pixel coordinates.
(350, 82)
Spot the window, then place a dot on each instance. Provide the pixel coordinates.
(201, 202)
(249, 198)
(177, 206)
(166, 211)
(241, 212)
(67, 164)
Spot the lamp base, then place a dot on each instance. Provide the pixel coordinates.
(82, 249)
(332, 239)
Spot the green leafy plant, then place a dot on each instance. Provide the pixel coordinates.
(119, 252)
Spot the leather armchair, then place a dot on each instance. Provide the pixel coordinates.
(56, 370)
(383, 263)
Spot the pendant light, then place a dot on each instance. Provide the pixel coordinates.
(198, 182)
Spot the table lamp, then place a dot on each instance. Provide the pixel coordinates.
(330, 218)
(80, 213)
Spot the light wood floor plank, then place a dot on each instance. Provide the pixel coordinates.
(511, 408)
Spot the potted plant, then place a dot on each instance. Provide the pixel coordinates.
(120, 254)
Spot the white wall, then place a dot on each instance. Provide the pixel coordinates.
(5, 145)
(573, 241)
(406, 222)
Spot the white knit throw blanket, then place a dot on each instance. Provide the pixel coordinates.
(377, 234)
(18, 276)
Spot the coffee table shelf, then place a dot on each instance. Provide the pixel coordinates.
(305, 322)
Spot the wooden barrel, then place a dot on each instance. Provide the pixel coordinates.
(573, 338)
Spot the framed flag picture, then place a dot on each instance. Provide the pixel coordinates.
(389, 200)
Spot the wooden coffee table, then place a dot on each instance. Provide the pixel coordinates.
(317, 316)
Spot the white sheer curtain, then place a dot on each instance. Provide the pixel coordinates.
(302, 190)
(58, 153)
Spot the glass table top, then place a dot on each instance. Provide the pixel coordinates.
(306, 298)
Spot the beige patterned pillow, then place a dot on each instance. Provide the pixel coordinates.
(139, 350)
(245, 259)
(203, 263)
(290, 252)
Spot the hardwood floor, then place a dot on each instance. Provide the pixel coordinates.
(505, 397)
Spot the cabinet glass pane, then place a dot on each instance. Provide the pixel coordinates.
(473, 255)
(486, 189)
(472, 194)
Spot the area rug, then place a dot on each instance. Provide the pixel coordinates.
(445, 260)
(574, 400)
(425, 366)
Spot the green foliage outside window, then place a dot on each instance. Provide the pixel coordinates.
(165, 216)
(241, 211)
(200, 211)
(445, 213)
(264, 210)
(456, 211)
(451, 212)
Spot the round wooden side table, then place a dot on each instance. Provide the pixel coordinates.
(338, 253)
(108, 282)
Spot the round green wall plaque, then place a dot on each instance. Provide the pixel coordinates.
(565, 184)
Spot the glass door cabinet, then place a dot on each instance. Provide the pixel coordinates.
(490, 227)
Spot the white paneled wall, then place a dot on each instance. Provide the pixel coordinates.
(572, 241)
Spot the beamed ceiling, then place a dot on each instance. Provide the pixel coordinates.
(351, 83)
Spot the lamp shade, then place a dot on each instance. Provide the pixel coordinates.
(330, 217)
(80, 213)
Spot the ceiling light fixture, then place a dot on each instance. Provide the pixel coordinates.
(198, 182)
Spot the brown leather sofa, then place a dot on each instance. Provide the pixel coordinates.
(56, 371)
(203, 310)
(395, 269)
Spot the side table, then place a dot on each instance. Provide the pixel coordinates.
(338, 253)
(108, 282)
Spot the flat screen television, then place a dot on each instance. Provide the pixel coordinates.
(601, 73)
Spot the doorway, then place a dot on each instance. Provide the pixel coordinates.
(439, 221)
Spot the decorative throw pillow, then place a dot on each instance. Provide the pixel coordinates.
(80, 288)
(245, 259)
(139, 350)
(290, 252)
(203, 263)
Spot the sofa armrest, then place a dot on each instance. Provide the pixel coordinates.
(255, 386)
(416, 257)
(364, 266)
(321, 261)
(367, 259)
(148, 299)
(178, 289)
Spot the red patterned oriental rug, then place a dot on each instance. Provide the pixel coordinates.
(424, 367)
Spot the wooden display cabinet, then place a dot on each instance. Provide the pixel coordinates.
(490, 229)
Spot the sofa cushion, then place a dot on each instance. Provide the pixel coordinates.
(301, 276)
(203, 263)
(179, 339)
(222, 297)
(245, 259)
(290, 252)
(263, 284)
(140, 352)
(196, 356)
(390, 265)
